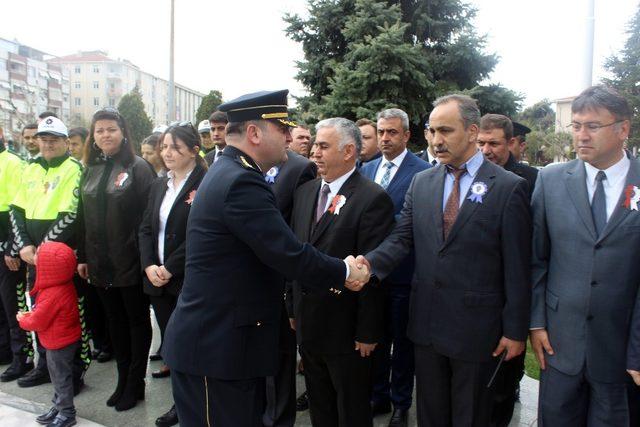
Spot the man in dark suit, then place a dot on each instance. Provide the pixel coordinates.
(393, 378)
(428, 155)
(370, 150)
(341, 214)
(284, 179)
(469, 223)
(585, 270)
(494, 140)
(217, 122)
(222, 339)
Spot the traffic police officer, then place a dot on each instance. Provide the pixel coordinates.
(12, 272)
(44, 209)
(222, 339)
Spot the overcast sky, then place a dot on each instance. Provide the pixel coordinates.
(239, 46)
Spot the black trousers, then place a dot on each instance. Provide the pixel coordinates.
(451, 392)
(96, 318)
(16, 341)
(281, 389)
(163, 306)
(127, 310)
(507, 382)
(339, 388)
(578, 400)
(204, 401)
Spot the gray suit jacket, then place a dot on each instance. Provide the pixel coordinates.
(472, 288)
(584, 287)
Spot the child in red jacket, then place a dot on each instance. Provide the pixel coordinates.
(56, 319)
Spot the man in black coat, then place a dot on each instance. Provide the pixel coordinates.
(284, 179)
(470, 225)
(494, 139)
(221, 341)
(341, 214)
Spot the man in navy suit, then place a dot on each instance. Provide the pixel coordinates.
(394, 172)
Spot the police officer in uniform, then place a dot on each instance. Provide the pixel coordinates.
(12, 273)
(45, 208)
(222, 339)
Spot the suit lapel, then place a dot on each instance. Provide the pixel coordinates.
(375, 164)
(328, 218)
(406, 164)
(620, 212)
(436, 188)
(185, 188)
(468, 207)
(576, 182)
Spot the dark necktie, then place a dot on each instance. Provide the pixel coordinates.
(599, 204)
(324, 194)
(434, 162)
(453, 202)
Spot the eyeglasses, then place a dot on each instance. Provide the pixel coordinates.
(182, 124)
(591, 127)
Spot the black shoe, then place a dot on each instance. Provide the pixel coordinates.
(302, 403)
(161, 373)
(33, 378)
(399, 418)
(6, 359)
(62, 421)
(169, 419)
(48, 417)
(130, 398)
(104, 356)
(17, 369)
(78, 385)
(155, 357)
(95, 353)
(380, 408)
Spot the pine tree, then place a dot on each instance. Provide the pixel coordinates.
(625, 69)
(208, 105)
(132, 109)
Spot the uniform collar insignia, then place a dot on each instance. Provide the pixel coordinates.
(245, 163)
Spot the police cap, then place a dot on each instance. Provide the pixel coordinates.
(264, 105)
(519, 129)
(52, 126)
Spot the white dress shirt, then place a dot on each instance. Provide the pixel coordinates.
(613, 185)
(165, 209)
(382, 167)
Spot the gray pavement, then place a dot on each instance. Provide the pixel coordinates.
(19, 406)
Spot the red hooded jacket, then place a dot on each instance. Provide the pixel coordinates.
(55, 316)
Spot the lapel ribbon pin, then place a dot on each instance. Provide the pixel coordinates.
(478, 189)
(632, 197)
(271, 175)
(337, 203)
(190, 197)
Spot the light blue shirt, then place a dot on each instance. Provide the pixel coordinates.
(472, 165)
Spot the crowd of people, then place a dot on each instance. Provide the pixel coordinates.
(256, 240)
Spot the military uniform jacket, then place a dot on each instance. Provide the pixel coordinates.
(530, 174)
(239, 251)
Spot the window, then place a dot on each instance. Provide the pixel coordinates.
(96, 85)
(96, 102)
(76, 101)
(96, 69)
(76, 85)
(77, 69)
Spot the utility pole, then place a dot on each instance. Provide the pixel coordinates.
(172, 85)
(588, 51)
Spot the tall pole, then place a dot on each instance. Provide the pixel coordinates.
(172, 85)
(588, 51)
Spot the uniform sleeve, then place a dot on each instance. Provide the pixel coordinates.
(63, 228)
(19, 228)
(145, 236)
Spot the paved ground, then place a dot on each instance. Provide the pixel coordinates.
(19, 406)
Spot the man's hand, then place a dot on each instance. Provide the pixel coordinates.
(635, 375)
(83, 271)
(27, 253)
(361, 260)
(358, 276)
(540, 343)
(13, 264)
(164, 273)
(514, 348)
(365, 349)
(292, 323)
(154, 275)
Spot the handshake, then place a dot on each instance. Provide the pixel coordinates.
(359, 272)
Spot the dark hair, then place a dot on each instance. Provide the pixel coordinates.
(46, 114)
(497, 121)
(30, 126)
(79, 131)
(367, 122)
(467, 106)
(188, 135)
(92, 152)
(218, 116)
(601, 96)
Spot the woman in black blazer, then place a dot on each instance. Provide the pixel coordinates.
(163, 229)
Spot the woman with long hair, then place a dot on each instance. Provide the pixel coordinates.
(113, 194)
(163, 231)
